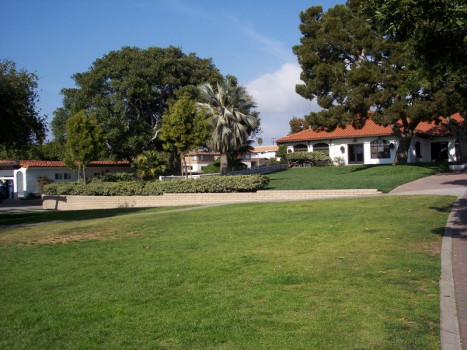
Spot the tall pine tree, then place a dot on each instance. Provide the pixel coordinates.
(356, 72)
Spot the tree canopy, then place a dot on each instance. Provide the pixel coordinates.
(297, 125)
(184, 127)
(128, 91)
(85, 141)
(22, 125)
(433, 31)
(352, 68)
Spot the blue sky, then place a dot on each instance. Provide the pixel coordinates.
(249, 39)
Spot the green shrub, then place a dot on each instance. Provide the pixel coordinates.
(208, 184)
(311, 158)
(215, 167)
(212, 168)
(217, 184)
(115, 177)
(154, 188)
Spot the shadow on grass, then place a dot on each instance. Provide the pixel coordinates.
(458, 223)
(36, 217)
(357, 168)
(445, 209)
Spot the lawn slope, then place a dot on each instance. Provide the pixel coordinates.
(381, 177)
(334, 274)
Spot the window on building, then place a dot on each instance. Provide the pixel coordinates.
(62, 176)
(380, 149)
(201, 157)
(321, 147)
(247, 156)
(193, 157)
(300, 148)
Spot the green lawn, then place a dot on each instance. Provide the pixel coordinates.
(335, 274)
(53, 215)
(382, 177)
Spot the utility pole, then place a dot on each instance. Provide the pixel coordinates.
(273, 141)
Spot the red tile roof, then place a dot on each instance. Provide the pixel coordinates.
(370, 129)
(265, 148)
(437, 129)
(59, 164)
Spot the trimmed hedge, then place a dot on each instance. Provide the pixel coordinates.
(313, 158)
(209, 184)
(115, 177)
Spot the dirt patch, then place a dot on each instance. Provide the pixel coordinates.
(430, 248)
(31, 236)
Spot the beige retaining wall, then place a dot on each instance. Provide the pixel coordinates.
(174, 199)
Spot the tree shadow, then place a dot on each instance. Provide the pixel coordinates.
(363, 167)
(72, 215)
(460, 182)
(458, 221)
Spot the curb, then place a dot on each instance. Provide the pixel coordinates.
(449, 324)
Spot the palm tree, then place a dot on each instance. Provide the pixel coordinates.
(231, 117)
(149, 165)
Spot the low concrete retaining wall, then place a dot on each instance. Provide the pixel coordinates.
(174, 199)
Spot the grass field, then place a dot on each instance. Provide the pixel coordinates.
(334, 274)
(381, 177)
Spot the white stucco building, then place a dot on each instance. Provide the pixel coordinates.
(375, 144)
(20, 178)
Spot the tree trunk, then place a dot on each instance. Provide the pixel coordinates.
(224, 164)
(402, 152)
(462, 149)
(175, 163)
(184, 167)
(458, 130)
(84, 172)
(404, 133)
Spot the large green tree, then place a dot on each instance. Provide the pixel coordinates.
(297, 125)
(433, 31)
(184, 128)
(351, 68)
(21, 124)
(233, 118)
(128, 91)
(434, 34)
(85, 142)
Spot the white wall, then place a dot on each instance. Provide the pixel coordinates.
(30, 176)
(335, 148)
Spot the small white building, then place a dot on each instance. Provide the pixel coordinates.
(20, 178)
(374, 144)
(265, 152)
(197, 160)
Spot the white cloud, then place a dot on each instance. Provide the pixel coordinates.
(270, 46)
(277, 100)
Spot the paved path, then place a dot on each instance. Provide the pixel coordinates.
(453, 283)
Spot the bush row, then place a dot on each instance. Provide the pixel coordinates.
(313, 158)
(210, 184)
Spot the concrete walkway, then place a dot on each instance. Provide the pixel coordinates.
(453, 282)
